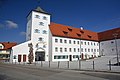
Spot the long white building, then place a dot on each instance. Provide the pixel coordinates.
(56, 42)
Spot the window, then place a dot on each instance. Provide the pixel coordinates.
(97, 44)
(81, 49)
(85, 43)
(112, 49)
(74, 42)
(102, 50)
(44, 18)
(40, 39)
(85, 50)
(44, 46)
(69, 41)
(94, 44)
(56, 49)
(70, 50)
(75, 56)
(78, 50)
(91, 43)
(41, 23)
(77, 42)
(61, 57)
(88, 50)
(60, 40)
(37, 16)
(14, 57)
(97, 50)
(0, 47)
(36, 31)
(44, 32)
(102, 43)
(81, 43)
(65, 49)
(112, 42)
(91, 50)
(94, 50)
(56, 40)
(60, 49)
(65, 41)
(74, 49)
(88, 43)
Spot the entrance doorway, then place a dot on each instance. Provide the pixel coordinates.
(70, 57)
(40, 56)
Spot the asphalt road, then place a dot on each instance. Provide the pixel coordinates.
(26, 72)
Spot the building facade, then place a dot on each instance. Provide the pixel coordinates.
(56, 42)
(6, 50)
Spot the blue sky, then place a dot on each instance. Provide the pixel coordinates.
(94, 15)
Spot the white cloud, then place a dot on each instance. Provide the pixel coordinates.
(23, 33)
(11, 24)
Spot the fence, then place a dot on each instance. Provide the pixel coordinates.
(94, 64)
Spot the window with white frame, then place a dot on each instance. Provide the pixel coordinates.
(65, 41)
(44, 32)
(70, 50)
(56, 40)
(44, 18)
(69, 41)
(56, 49)
(41, 23)
(60, 49)
(36, 31)
(37, 16)
(65, 49)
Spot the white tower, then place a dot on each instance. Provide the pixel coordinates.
(38, 22)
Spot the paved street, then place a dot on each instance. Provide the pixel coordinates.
(26, 72)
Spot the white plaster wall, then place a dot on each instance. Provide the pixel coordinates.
(89, 54)
(20, 49)
(106, 47)
(65, 45)
(36, 36)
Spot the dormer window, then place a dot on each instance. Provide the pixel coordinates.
(78, 34)
(82, 32)
(70, 29)
(89, 36)
(65, 32)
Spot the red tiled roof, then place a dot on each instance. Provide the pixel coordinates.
(70, 32)
(108, 34)
(7, 45)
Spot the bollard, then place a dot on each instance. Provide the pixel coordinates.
(49, 64)
(79, 64)
(58, 64)
(41, 63)
(93, 65)
(109, 65)
(68, 64)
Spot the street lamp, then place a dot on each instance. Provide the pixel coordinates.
(115, 36)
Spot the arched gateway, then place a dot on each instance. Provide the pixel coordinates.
(40, 54)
